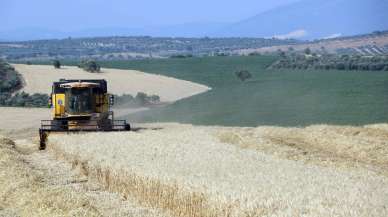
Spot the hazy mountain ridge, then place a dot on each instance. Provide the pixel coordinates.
(179, 30)
(316, 19)
(305, 19)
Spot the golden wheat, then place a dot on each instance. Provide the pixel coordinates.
(339, 146)
(189, 172)
(22, 192)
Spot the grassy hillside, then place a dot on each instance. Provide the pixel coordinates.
(211, 71)
(271, 97)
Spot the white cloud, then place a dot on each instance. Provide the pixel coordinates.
(335, 35)
(294, 34)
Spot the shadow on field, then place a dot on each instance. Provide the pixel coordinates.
(139, 129)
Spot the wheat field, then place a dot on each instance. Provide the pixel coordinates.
(23, 194)
(35, 183)
(201, 171)
(39, 78)
(340, 146)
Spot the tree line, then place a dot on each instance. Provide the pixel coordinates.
(140, 100)
(87, 65)
(308, 60)
(127, 48)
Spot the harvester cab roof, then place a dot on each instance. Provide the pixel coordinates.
(80, 84)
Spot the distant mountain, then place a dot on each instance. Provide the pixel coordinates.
(30, 34)
(179, 30)
(315, 19)
(305, 19)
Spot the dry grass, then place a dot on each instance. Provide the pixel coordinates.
(38, 79)
(378, 126)
(189, 172)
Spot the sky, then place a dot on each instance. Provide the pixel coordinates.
(73, 15)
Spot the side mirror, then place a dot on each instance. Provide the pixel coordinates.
(111, 100)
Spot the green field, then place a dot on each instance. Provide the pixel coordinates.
(272, 97)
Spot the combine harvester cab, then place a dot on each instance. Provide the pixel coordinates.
(80, 105)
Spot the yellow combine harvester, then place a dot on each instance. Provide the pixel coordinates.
(80, 105)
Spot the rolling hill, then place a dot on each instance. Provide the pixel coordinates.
(368, 44)
(308, 19)
(271, 97)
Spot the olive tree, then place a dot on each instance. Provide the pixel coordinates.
(243, 75)
(57, 64)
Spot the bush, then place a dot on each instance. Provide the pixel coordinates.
(124, 99)
(141, 99)
(57, 64)
(24, 100)
(328, 62)
(181, 56)
(340, 66)
(254, 54)
(243, 75)
(307, 51)
(154, 99)
(9, 78)
(90, 66)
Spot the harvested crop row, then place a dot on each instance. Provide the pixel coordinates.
(339, 146)
(36, 184)
(22, 192)
(187, 171)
